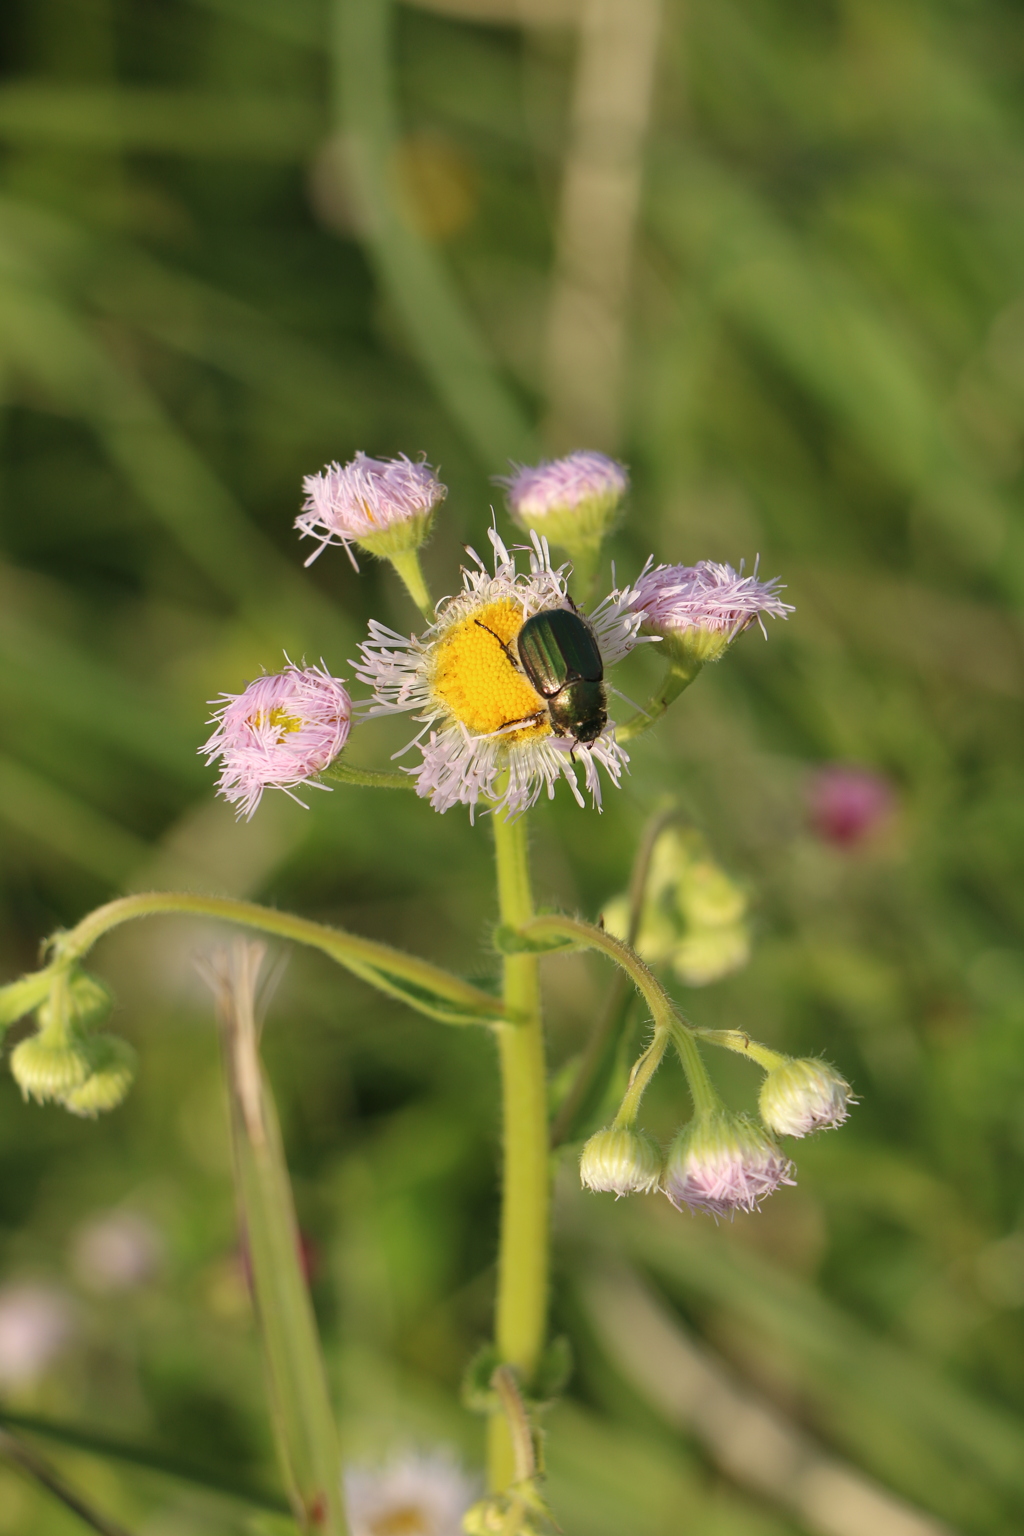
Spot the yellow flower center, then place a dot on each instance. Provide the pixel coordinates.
(478, 683)
(406, 1520)
(285, 723)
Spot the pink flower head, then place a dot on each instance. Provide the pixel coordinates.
(36, 1324)
(284, 728)
(563, 485)
(677, 598)
(367, 498)
(724, 1164)
(848, 804)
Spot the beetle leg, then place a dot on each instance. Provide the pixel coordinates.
(500, 641)
(526, 719)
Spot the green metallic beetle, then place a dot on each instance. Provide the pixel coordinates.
(559, 654)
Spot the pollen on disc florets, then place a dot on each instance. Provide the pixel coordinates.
(284, 728)
(487, 733)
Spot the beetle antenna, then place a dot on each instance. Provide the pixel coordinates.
(636, 706)
(500, 641)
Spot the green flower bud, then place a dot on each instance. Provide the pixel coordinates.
(804, 1095)
(49, 1065)
(621, 1161)
(113, 1063)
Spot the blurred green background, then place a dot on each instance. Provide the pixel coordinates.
(771, 253)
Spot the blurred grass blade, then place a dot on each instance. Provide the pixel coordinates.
(107, 1448)
(748, 1437)
(304, 1425)
(192, 123)
(913, 1427)
(62, 822)
(442, 333)
(39, 1470)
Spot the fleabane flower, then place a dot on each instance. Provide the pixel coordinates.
(286, 727)
(698, 610)
(571, 501)
(413, 1495)
(386, 506)
(621, 1161)
(487, 732)
(804, 1095)
(723, 1163)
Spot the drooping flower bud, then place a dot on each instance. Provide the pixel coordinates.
(709, 954)
(698, 610)
(386, 506)
(723, 1163)
(571, 502)
(282, 730)
(112, 1064)
(621, 1161)
(56, 1060)
(804, 1095)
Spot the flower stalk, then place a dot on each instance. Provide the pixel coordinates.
(521, 1310)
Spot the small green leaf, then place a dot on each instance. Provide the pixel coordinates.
(478, 1394)
(424, 999)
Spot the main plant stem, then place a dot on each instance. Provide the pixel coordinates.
(523, 1246)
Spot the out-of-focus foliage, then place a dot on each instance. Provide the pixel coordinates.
(825, 368)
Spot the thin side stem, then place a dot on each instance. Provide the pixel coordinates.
(367, 778)
(408, 567)
(736, 1040)
(644, 1069)
(523, 1245)
(663, 1010)
(363, 956)
(614, 1014)
(677, 678)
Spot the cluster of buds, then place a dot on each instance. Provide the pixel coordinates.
(694, 915)
(720, 1162)
(65, 1062)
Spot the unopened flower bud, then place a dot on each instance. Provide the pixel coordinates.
(386, 506)
(279, 733)
(112, 1071)
(802, 1096)
(621, 1161)
(723, 1163)
(572, 501)
(698, 610)
(49, 1065)
(708, 897)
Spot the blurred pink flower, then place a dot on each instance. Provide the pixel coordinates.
(847, 805)
(117, 1251)
(36, 1322)
(283, 729)
(365, 497)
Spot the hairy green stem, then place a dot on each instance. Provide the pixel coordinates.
(367, 778)
(663, 1010)
(596, 1053)
(523, 1244)
(644, 1069)
(422, 985)
(678, 677)
(736, 1040)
